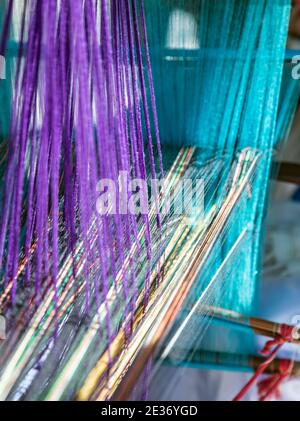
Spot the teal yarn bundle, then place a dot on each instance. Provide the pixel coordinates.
(186, 89)
(218, 71)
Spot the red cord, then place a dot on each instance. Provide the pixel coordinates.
(285, 335)
(270, 386)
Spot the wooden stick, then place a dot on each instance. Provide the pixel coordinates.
(229, 361)
(288, 172)
(259, 326)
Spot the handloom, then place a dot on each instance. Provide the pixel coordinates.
(102, 98)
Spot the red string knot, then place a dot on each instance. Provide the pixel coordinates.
(285, 335)
(271, 386)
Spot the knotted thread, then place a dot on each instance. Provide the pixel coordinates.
(285, 335)
(270, 386)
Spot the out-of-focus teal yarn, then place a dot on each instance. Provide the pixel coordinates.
(218, 71)
(5, 87)
(209, 58)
